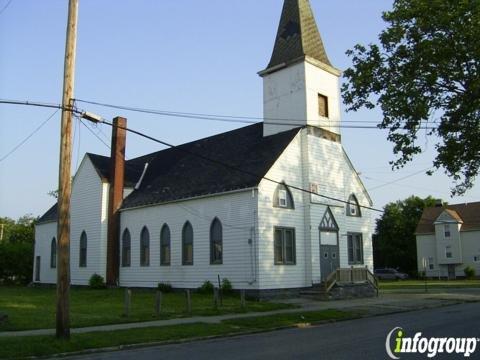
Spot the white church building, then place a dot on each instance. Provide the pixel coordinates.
(230, 205)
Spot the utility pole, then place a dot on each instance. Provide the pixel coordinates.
(1, 232)
(64, 178)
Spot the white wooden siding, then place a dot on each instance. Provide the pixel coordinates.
(327, 166)
(237, 213)
(44, 233)
(88, 213)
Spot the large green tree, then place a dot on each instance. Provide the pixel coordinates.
(394, 240)
(16, 250)
(424, 74)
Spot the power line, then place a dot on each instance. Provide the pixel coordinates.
(179, 113)
(238, 119)
(29, 136)
(208, 117)
(5, 7)
(234, 168)
(400, 179)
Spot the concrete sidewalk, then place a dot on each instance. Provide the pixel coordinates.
(384, 304)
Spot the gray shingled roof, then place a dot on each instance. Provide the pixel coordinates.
(469, 213)
(298, 35)
(176, 173)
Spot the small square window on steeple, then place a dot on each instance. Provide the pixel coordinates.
(322, 105)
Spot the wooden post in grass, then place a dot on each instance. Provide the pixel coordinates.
(127, 302)
(215, 298)
(242, 298)
(188, 301)
(158, 303)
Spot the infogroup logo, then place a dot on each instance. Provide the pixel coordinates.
(397, 343)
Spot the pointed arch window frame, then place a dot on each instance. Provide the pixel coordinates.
(187, 242)
(353, 206)
(165, 245)
(324, 226)
(216, 242)
(126, 248)
(53, 253)
(145, 247)
(289, 202)
(82, 261)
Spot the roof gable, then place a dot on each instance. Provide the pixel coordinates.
(469, 213)
(448, 216)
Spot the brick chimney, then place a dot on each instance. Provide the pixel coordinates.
(117, 176)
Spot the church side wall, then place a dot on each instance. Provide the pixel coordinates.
(236, 211)
(88, 213)
(44, 233)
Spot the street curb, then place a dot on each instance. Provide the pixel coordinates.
(243, 333)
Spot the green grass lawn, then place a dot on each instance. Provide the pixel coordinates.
(14, 347)
(34, 308)
(420, 284)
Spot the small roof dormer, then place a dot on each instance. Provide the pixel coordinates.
(448, 216)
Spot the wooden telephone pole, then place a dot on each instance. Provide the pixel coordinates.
(64, 178)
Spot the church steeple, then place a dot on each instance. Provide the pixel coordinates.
(300, 86)
(297, 36)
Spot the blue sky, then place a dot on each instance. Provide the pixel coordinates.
(179, 55)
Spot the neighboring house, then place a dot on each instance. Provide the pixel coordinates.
(185, 219)
(448, 240)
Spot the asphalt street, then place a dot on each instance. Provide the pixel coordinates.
(354, 339)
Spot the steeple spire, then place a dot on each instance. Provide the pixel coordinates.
(298, 35)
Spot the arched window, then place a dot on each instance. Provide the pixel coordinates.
(216, 242)
(144, 247)
(187, 244)
(353, 209)
(126, 248)
(53, 254)
(83, 250)
(165, 245)
(282, 198)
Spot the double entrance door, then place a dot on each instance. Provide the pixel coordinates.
(329, 258)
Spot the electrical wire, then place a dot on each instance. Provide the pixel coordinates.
(6, 6)
(237, 169)
(400, 179)
(29, 136)
(237, 119)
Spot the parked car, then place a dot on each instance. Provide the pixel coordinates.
(390, 274)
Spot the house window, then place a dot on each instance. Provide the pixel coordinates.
(83, 250)
(447, 230)
(165, 245)
(322, 105)
(448, 252)
(53, 254)
(126, 248)
(353, 208)
(144, 247)
(284, 246)
(216, 242)
(283, 197)
(431, 264)
(187, 244)
(476, 258)
(355, 248)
